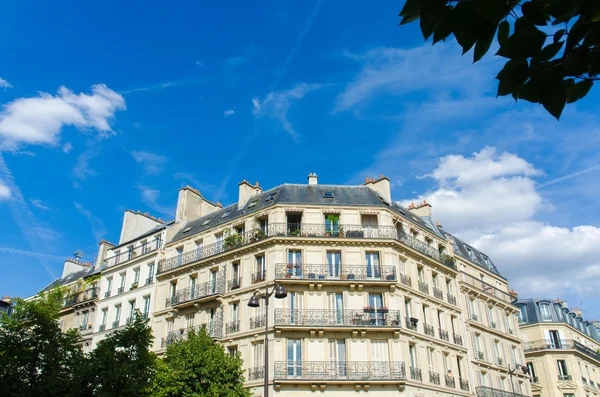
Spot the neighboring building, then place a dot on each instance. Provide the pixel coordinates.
(5, 305)
(81, 283)
(562, 349)
(380, 298)
(128, 269)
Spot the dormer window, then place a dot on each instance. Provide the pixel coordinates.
(252, 204)
(545, 311)
(271, 197)
(225, 214)
(328, 195)
(522, 314)
(206, 222)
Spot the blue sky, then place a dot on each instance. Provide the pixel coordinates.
(156, 96)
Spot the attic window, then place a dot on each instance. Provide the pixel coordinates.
(225, 214)
(206, 222)
(187, 229)
(271, 196)
(252, 204)
(384, 201)
(327, 194)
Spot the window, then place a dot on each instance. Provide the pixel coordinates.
(226, 213)
(84, 320)
(117, 257)
(332, 223)
(294, 357)
(563, 373)
(122, 286)
(232, 351)
(131, 311)
(206, 221)
(117, 316)
(532, 373)
(150, 273)
(130, 252)
(373, 267)
(158, 241)
(413, 356)
(170, 324)
(136, 275)
(144, 245)
(264, 225)
(235, 275)
(258, 354)
(294, 267)
(328, 195)
(189, 320)
(108, 287)
(522, 314)
(271, 196)
(253, 203)
(104, 318)
(146, 306)
(545, 311)
(235, 310)
(334, 263)
(261, 268)
(173, 289)
(407, 307)
(214, 284)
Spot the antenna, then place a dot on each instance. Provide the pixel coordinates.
(78, 255)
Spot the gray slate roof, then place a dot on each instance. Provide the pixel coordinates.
(478, 257)
(69, 279)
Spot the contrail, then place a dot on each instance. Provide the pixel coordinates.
(573, 175)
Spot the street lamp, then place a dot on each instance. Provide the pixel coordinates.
(511, 372)
(280, 293)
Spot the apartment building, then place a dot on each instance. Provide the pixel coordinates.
(6, 306)
(127, 271)
(380, 298)
(562, 349)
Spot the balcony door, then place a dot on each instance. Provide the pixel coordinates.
(337, 358)
(336, 306)
(376, 302)
(294, 263)
(380, 361)
(213, 281)
(294, 357)
(554, 339)
(296, 306)
(369, 225)
(373, 266)
(334, 262)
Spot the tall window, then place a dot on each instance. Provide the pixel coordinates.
(104, 318)
(430, 360)
(334, 260)
(258, 354)
(261, 268)
(235, 309)
(173, 289)
(150, 273)
(336, 303)
(131, 310)
(545, 311)
(122, 286)
(84, 320)
(412, 352)
(146, 306)
(136, 275)
(563, 373)
(189, 318)
(144, 245)
(337, 357)
(376, 302)
(295, 262)
(407, 307)
(534, 377)
(117, 316)
(158, 241)
(170, 325)
(522, 314)
(332, 223)
(235, 275)
(130, 252)
(117, 257)
(108, 287)
(294, 357)
(373, 267)
(213, 281)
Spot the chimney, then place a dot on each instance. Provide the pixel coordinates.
(381, 186)
(102, 253)
(421, 209)
(191, 205)
(313, 179)
(577, 312)
(71, 266)
(246, 192)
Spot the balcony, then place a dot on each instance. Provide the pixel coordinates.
(464, 384)
(484, 391)
(337, 318)
(234, 283)
(257, 322)
(198, 292)
(488, 289)
(416, 374)
(80, 297)
(121, 290)
(107, 294)
(335, 272)
(457, 339)
(450, 382)
(371, 371)
(149, 280)
(434, 378)
(115, 324)
(429, 330)
(232, 327)
(256, 373)
(102, 328)
(405, 280)
(444, 335)
(451, 299)
(437, 293)
(562, 344)
(310, 231)
(259, 277)
(424, 288)
(214, 329)
(136, 252)
(565, 377)
(411, 323)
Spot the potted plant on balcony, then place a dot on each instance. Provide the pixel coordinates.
(134, 285)
(295, 232)
(368, 309)
(340, 232)
(288, 275)
(384, 310)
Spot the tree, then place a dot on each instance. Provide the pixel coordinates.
(198, 367)
(552, 46)
(121, 364)
(36, 358)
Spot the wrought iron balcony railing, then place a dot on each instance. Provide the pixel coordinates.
(451, 299)
(120, 290)
(259, 276)
(149, 280)
(232, 327)
(423, 287)
(337, 318)
(434, 378)
(565, 377)
(256, 373)
(457, 339)
(561, 344)
(257, 322)
(234, 283)
(101, 327)
(307, 230)
(464, 384)
(484, 391)
(305, 271)
(107, 294)
(416, 374)
(214, 329)
(489, 289)
(340, 370)
(429, 330)
(437, 293)
(450, 382)
(115, 324)
(202, 290)
(411, 323)
(406, 280)
(135, 252)
(444, 334)
(81, 297)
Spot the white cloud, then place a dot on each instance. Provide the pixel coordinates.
(96, 223)
(153, 163)
(39, 204)
(4, 83)
(276, 105)
(490, 200)
(229, 112)
(82, 167)
(67, 147)
(201, 65)
(4, 191)
(39, 120)
(150, 197)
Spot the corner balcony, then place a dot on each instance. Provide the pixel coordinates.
(340, 372)
(214, 329)
(488, 289)
(484, 391)
(336, 273)
(199, 293)
(82, 297)
(305, 231)
(562, 344)
(311, 318)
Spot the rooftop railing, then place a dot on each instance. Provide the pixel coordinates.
(338, 318)
(306, 230)
(485, 287)
(203, 290)
(305, 271)
(484, 391)
(340, 370)
(561, 344)
(128, 255)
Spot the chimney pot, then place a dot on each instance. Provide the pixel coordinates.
(313, 179)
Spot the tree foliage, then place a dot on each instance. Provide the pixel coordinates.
(552, 46)
(199, 367)
(36, 358)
